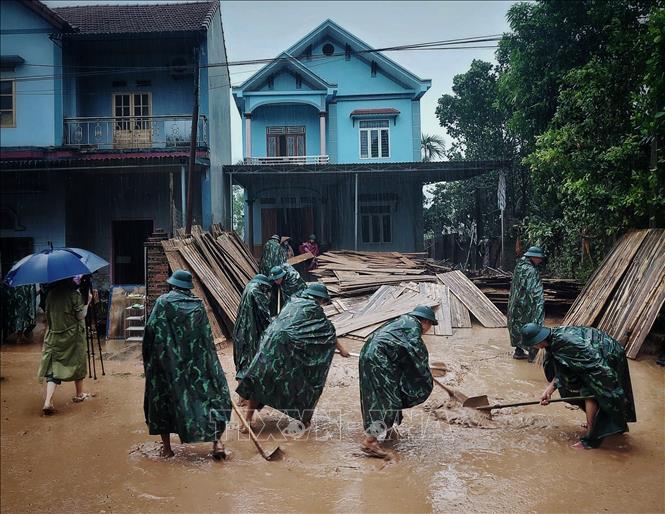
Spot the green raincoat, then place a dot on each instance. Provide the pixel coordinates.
(272, 256)
(526, 303)
(588, 362)
(394, 373)
(64, 354)
(252, 320)
(292, 284)
(18, 309)
(290, 369)
(185, 387)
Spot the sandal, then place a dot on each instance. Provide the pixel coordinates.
(219, 454)
(374, 452)
(81, 397)
(48, 411)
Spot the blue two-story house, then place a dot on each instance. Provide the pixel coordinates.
(331, 142)
(96, 119)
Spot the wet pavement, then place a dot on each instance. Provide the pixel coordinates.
(97, 456)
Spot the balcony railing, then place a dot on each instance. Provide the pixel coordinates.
(291, 159)
(134, 132)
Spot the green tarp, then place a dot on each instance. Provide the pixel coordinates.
(252, 320)
(185, 388)
(272, 256)
(292, 284)
(526, 303)
(588, 362)
(289, 371)
(394, 373)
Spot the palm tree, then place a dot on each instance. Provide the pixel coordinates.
(431, 146)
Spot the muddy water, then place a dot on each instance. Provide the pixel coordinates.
(98, 457)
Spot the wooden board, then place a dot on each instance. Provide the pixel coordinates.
(303, 257)
(638, 295)
(460, 316)
(473, 299)
(589, 304)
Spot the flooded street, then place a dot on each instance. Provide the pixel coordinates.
(98, 457)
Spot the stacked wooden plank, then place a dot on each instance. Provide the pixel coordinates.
(472, 299)
(625, 294)
(558, 292)
(221, 266)
(350, 273)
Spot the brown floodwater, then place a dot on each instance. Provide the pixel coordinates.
(98, 457)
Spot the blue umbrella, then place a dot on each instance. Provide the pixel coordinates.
(47, 266)
(91, 260)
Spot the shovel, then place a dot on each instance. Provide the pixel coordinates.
(486, 406)
(437, 367)
(465, 400)
(272, 455)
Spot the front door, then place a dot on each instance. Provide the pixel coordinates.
(128, 239)
(286, 141)
(132, 123)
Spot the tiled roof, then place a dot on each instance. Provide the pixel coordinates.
(367, 112)
(139, 19)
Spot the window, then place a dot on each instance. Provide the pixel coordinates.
(376, 223)
(7, 103)
(374, 139)
(328, 49)
(285, 141)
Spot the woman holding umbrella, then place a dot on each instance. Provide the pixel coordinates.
(65, 346)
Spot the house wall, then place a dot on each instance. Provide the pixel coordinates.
(38, 101)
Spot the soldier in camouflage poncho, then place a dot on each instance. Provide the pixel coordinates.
(289, 371)
(394, 374)
(582, 361)
(18, 310)
(526, 303)
(185, 387)
(289, 283)
(252, 320)
(272, 255)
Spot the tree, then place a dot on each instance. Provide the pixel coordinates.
(432, 147)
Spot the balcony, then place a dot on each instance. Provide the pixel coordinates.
(140, 132)
(292, 159)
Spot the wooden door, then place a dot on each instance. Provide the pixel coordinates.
(269, 223)
(132, 127)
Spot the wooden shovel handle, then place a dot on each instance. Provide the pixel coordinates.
(252, 435)
(520, 404)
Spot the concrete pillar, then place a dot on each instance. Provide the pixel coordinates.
(248, 135)
(322, 132)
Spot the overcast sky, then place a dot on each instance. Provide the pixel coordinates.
(255, 30)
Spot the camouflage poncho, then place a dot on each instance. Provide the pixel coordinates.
(394, 373)
(185, 387)
(526, 303)
(588, 362)
(292, 284)
(18, 309)
(272, 256)
(289, 371)
(252, 319)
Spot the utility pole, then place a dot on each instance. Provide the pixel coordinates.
(192, 147)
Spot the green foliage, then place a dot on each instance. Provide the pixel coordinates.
(431, 147)
(239, 210)
(579, 99)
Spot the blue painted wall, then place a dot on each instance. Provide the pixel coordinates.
(38, 102)
(285, 115)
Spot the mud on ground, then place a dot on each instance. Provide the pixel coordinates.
(98, 457)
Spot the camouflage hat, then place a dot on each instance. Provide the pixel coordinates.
(262, 279)
(181, 279)
(424, 312)
(275, 237)
(535, 251)
(317, 289)
(532, 334)
(277, 272)
(312, 237)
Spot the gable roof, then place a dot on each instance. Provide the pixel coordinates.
(284, 61)
(361, 50)
(139, 19)
(48, 14)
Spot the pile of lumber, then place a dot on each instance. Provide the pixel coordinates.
(452, 296)
(221, 266)
(625, 294)
(559, 292)
(349, 273)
